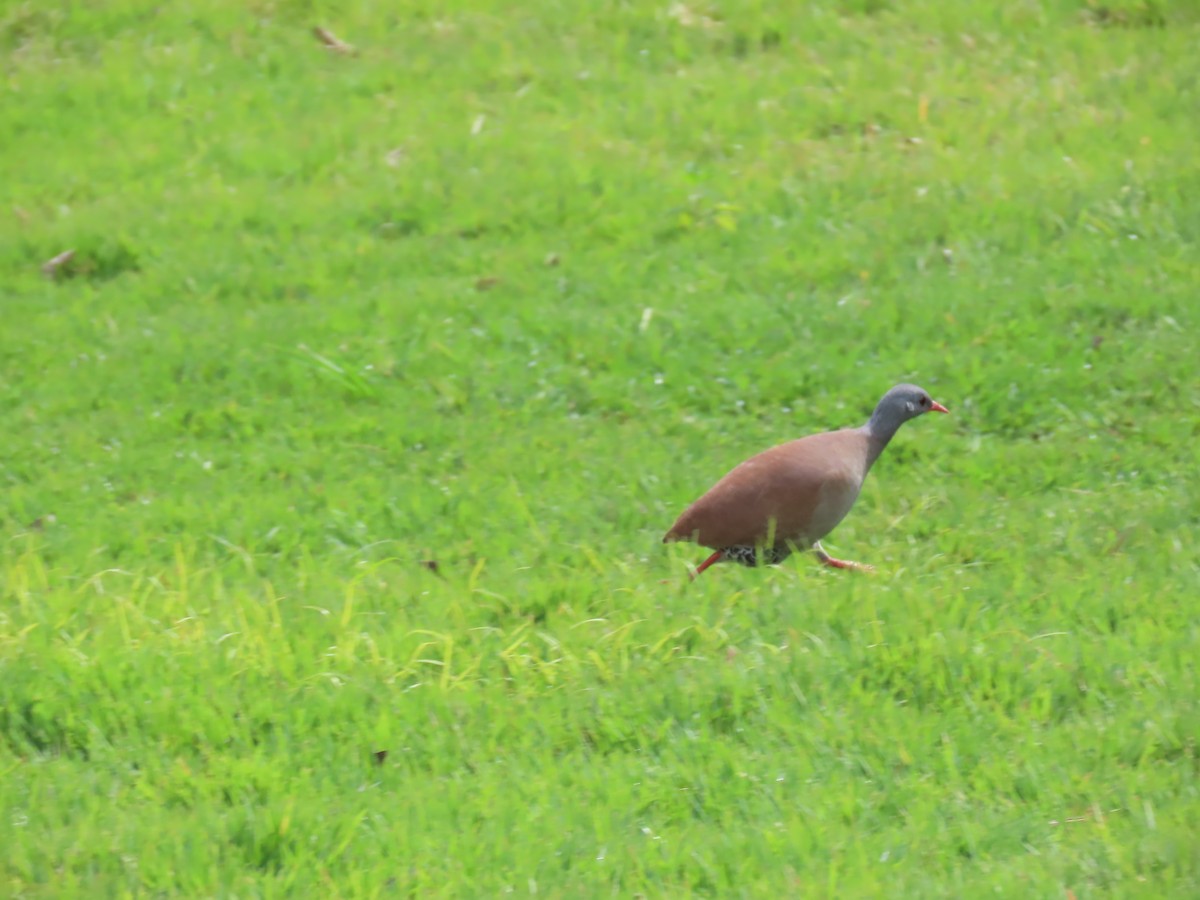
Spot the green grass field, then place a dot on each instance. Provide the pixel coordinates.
(505, 289)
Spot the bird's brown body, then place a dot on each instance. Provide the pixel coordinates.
(791, 496)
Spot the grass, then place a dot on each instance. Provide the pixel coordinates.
(504, 290)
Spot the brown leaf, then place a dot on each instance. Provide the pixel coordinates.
(430, 564)
(486, 283)
(380, 757)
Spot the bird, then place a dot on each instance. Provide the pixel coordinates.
(794, 494)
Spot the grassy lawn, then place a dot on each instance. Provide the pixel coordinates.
(336, 459)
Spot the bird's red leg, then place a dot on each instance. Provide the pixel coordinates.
(708, 562)
(828, 560)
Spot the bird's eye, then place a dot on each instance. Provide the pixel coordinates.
(924, 401)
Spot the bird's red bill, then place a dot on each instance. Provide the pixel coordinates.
(937, 407)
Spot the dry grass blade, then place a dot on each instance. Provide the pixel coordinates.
(690, 18)
(53, 267)
(333, 42)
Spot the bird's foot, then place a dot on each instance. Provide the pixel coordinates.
(847, 564)
(833, 563)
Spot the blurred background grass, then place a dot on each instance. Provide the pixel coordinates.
(504, 289)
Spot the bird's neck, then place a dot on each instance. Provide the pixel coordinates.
(878, 433)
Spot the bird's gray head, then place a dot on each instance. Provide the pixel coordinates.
(901, 403)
